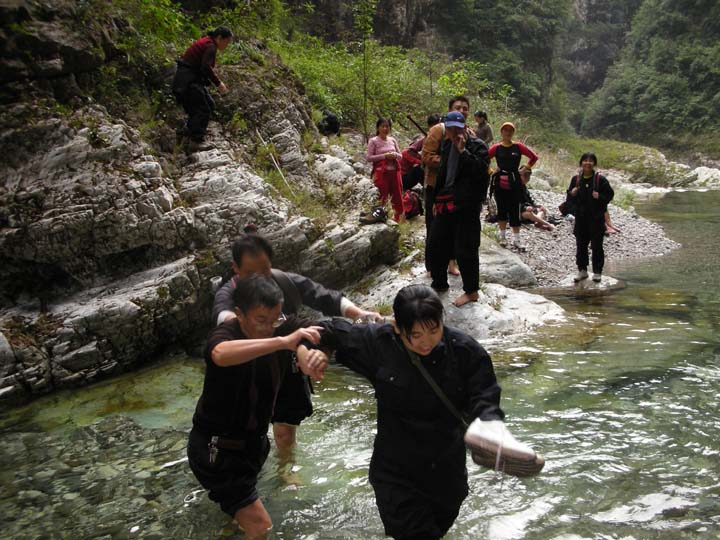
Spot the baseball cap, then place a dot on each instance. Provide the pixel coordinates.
(454, 119)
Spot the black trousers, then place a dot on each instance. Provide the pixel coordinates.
(508, 205)
(598, 253)
(458, 234)
(198, 105)
(429, 201)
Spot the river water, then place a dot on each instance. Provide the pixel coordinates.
(621, 399)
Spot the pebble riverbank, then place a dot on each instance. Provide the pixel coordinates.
(551, 255)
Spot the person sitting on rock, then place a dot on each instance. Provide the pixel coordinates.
(195, 71)
(591, 194)
(531, 212)
(252, 254)
(247, 363)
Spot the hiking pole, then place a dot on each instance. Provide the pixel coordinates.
(277, 165)
(416, 124)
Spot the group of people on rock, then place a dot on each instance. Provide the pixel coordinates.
(453, 163)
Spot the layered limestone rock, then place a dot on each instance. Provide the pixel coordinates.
(104, 214)
(111, 231)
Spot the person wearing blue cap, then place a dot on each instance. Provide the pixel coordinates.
(461, 187)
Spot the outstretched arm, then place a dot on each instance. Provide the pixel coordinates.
(239, 351)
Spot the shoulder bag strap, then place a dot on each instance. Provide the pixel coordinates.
(415, 359)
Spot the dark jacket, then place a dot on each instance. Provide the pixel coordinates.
(590, 212)
(470, 185)
(415, 430)
(237, 401)
(197, 66)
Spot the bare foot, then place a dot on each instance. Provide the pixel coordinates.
(466, 298)
(609, 229)
(453, 269)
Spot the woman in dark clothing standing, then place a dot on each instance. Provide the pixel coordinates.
(506, 184)
(590, 192)
(195, 71)
(418, 464)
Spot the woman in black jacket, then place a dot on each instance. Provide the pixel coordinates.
(590, 192)
(418, 464)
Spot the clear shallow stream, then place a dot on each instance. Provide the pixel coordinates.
(622, 400)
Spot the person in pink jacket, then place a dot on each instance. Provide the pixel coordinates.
(384, 154)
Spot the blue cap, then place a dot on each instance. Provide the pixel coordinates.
(454, 119)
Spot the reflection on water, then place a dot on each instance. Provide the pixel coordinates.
(622, 401)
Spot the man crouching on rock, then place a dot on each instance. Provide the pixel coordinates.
(247, 359)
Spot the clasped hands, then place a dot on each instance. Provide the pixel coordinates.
(312, 362)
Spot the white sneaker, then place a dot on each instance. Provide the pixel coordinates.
(502, 240)
(597, 277)
(493, 446)
(517, 244)
(582, 274)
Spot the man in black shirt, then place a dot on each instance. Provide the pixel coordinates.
(252, 254)
(247, 362)
(462, 183)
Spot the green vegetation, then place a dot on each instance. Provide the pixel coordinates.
(666, 87)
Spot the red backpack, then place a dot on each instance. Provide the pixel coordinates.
(412, 204)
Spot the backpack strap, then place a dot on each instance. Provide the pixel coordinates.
(293, 299)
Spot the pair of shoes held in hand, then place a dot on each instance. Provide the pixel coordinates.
(494, 447)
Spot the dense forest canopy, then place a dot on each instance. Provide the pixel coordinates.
(666, 85)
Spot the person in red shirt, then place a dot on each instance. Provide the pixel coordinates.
(195, 72)
(506, 183)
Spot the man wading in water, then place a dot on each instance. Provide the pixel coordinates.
(248, 359)
(252, 254)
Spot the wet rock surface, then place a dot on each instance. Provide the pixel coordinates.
(143, 474)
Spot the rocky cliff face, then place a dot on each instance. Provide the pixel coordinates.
(110, 232)
(395, 23)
